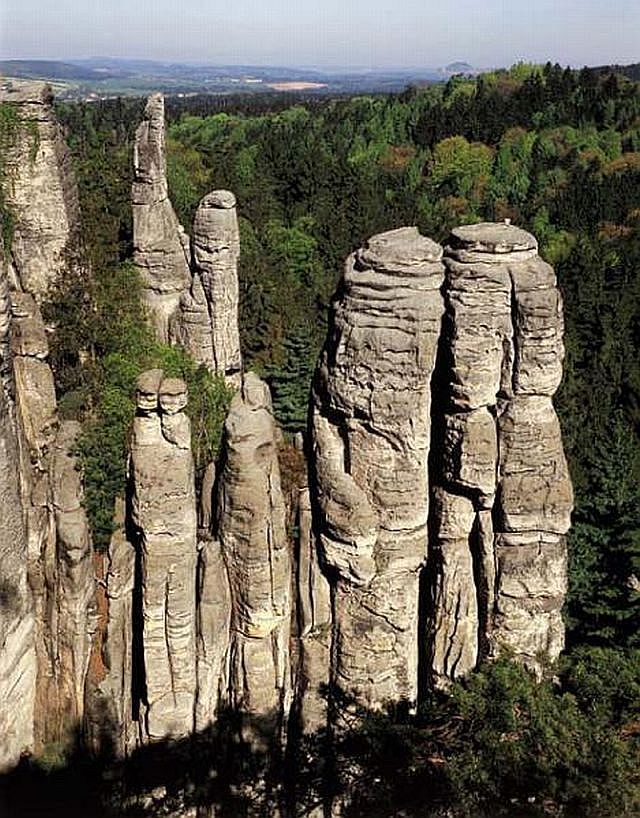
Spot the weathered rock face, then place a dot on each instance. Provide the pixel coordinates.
(502, 496)
(161, 248)
(207, 323)
(110, 728)
(17, 649)
(163, 509)
(216, 253)
(314, 625)
(371, 430)
(251, 530)
(41, 194)
(75, 587)
(47, 573)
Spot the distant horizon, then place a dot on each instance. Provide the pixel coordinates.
(328, 68)
(354, 35)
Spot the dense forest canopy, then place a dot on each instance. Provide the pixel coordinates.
(554, 150)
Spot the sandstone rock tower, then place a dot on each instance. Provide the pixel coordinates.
(191, 298)
(371, 431)
(251, 529)
(477, 485)
(161, 247)
(502, 496)
(41, 194)
(164, 513)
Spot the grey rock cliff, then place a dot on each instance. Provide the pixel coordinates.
(370, 437)
(109, 724)
(161, 248)
(164, 514)
(40, 191)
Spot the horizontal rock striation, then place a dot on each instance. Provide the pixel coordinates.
(501, 486)
(370, 439)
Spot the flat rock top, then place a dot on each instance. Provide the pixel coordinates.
(220, 199)
(26, 92)
(404, 246)
(492, 237)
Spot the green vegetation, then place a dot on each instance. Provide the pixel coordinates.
(556, 151)
(101, 346)
(502, 744)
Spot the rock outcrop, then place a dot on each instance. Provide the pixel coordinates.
(502, 491)
(430, 534)
(163, 510)
(251, 530)
(75, 586)
(503, 447)
(216, 251)
(486, 502)
(161, 247)
(191, 301)
(40, 190)
(370, 437)
(111, 726)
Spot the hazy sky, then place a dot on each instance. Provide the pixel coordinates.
(326, 32)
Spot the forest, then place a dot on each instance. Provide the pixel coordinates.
(557, 152)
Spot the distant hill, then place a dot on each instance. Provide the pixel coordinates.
(632, 71)
(459, 68)
(53, 70)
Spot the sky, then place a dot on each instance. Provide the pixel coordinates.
(326, 33)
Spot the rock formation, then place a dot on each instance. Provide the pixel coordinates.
(430, 534)
(503, 494)
(197, 310)
(111, 726)
(164, 514)
(161, 248)
(216, 252)
(500, 491)
(17, 647)
(75, 587)
(371, 430)
(251, 530)
(40, 189)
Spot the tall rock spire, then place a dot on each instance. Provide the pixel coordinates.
(160, 245)
(502, 491)
(370, 439)
(164, 512)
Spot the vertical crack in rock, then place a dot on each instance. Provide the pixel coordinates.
(314, 624)
(371, 403)
(164, 514)
(251, 530)
(160, 245)
(502, 495)
(41, 193)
